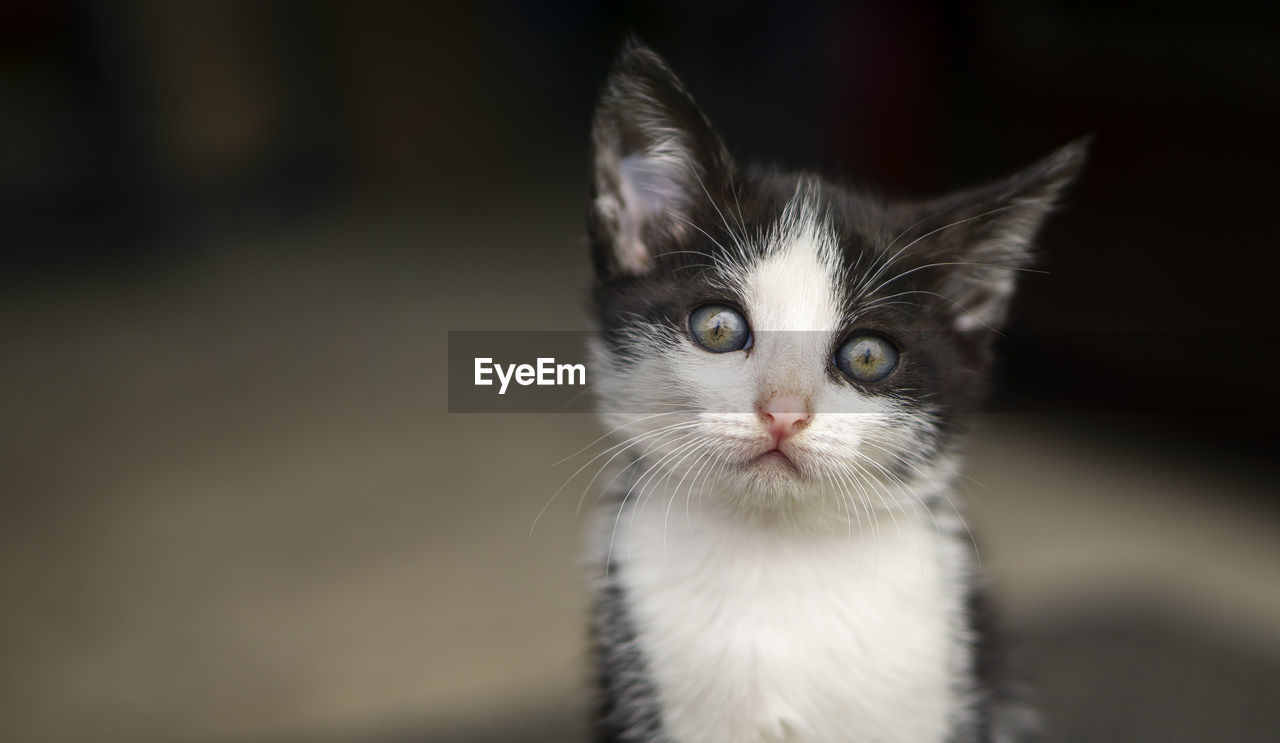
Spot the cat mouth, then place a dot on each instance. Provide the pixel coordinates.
(775, 458)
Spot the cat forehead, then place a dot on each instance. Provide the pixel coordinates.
(841, 228)
(795, 279)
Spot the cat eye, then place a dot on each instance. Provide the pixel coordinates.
(866, 358)
(719, 329)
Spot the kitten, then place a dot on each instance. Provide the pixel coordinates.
(788, 363)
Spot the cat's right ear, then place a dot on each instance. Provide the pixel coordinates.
(654, 157)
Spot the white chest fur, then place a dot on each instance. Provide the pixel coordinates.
(761, 634)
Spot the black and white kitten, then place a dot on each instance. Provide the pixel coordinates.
(788, 364)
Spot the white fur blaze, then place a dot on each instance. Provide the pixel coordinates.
(795, 287)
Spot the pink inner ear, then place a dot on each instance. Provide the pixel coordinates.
(655, 182)
(652, 190)
(628, 248)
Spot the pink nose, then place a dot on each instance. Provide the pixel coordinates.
(784, 416)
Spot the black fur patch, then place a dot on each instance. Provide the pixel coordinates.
(626, 703)
(1001, 710)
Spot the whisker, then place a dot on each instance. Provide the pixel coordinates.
(640, 499)
(624, 444)
(617, 428)
(667, 430)
(861, 288)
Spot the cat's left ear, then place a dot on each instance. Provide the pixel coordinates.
(655, 158)
(978, 240)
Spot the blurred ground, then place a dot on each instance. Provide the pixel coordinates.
(234, 509)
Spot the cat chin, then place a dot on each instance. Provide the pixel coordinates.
(772, 479)
(776, 497)
(794, 485)
(775, 459)
(773, 471)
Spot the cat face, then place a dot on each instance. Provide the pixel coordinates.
(777, 336)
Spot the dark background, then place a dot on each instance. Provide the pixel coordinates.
(130, 127)
(227, 226)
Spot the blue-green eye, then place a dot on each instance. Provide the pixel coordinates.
(866, 358)
(719, 329)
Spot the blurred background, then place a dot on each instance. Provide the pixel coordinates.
(234, 235)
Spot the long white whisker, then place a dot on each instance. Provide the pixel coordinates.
(666, 430)
(619, 427)
(622, 507)
(640, 499)
(860, 291)
(625, 444)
